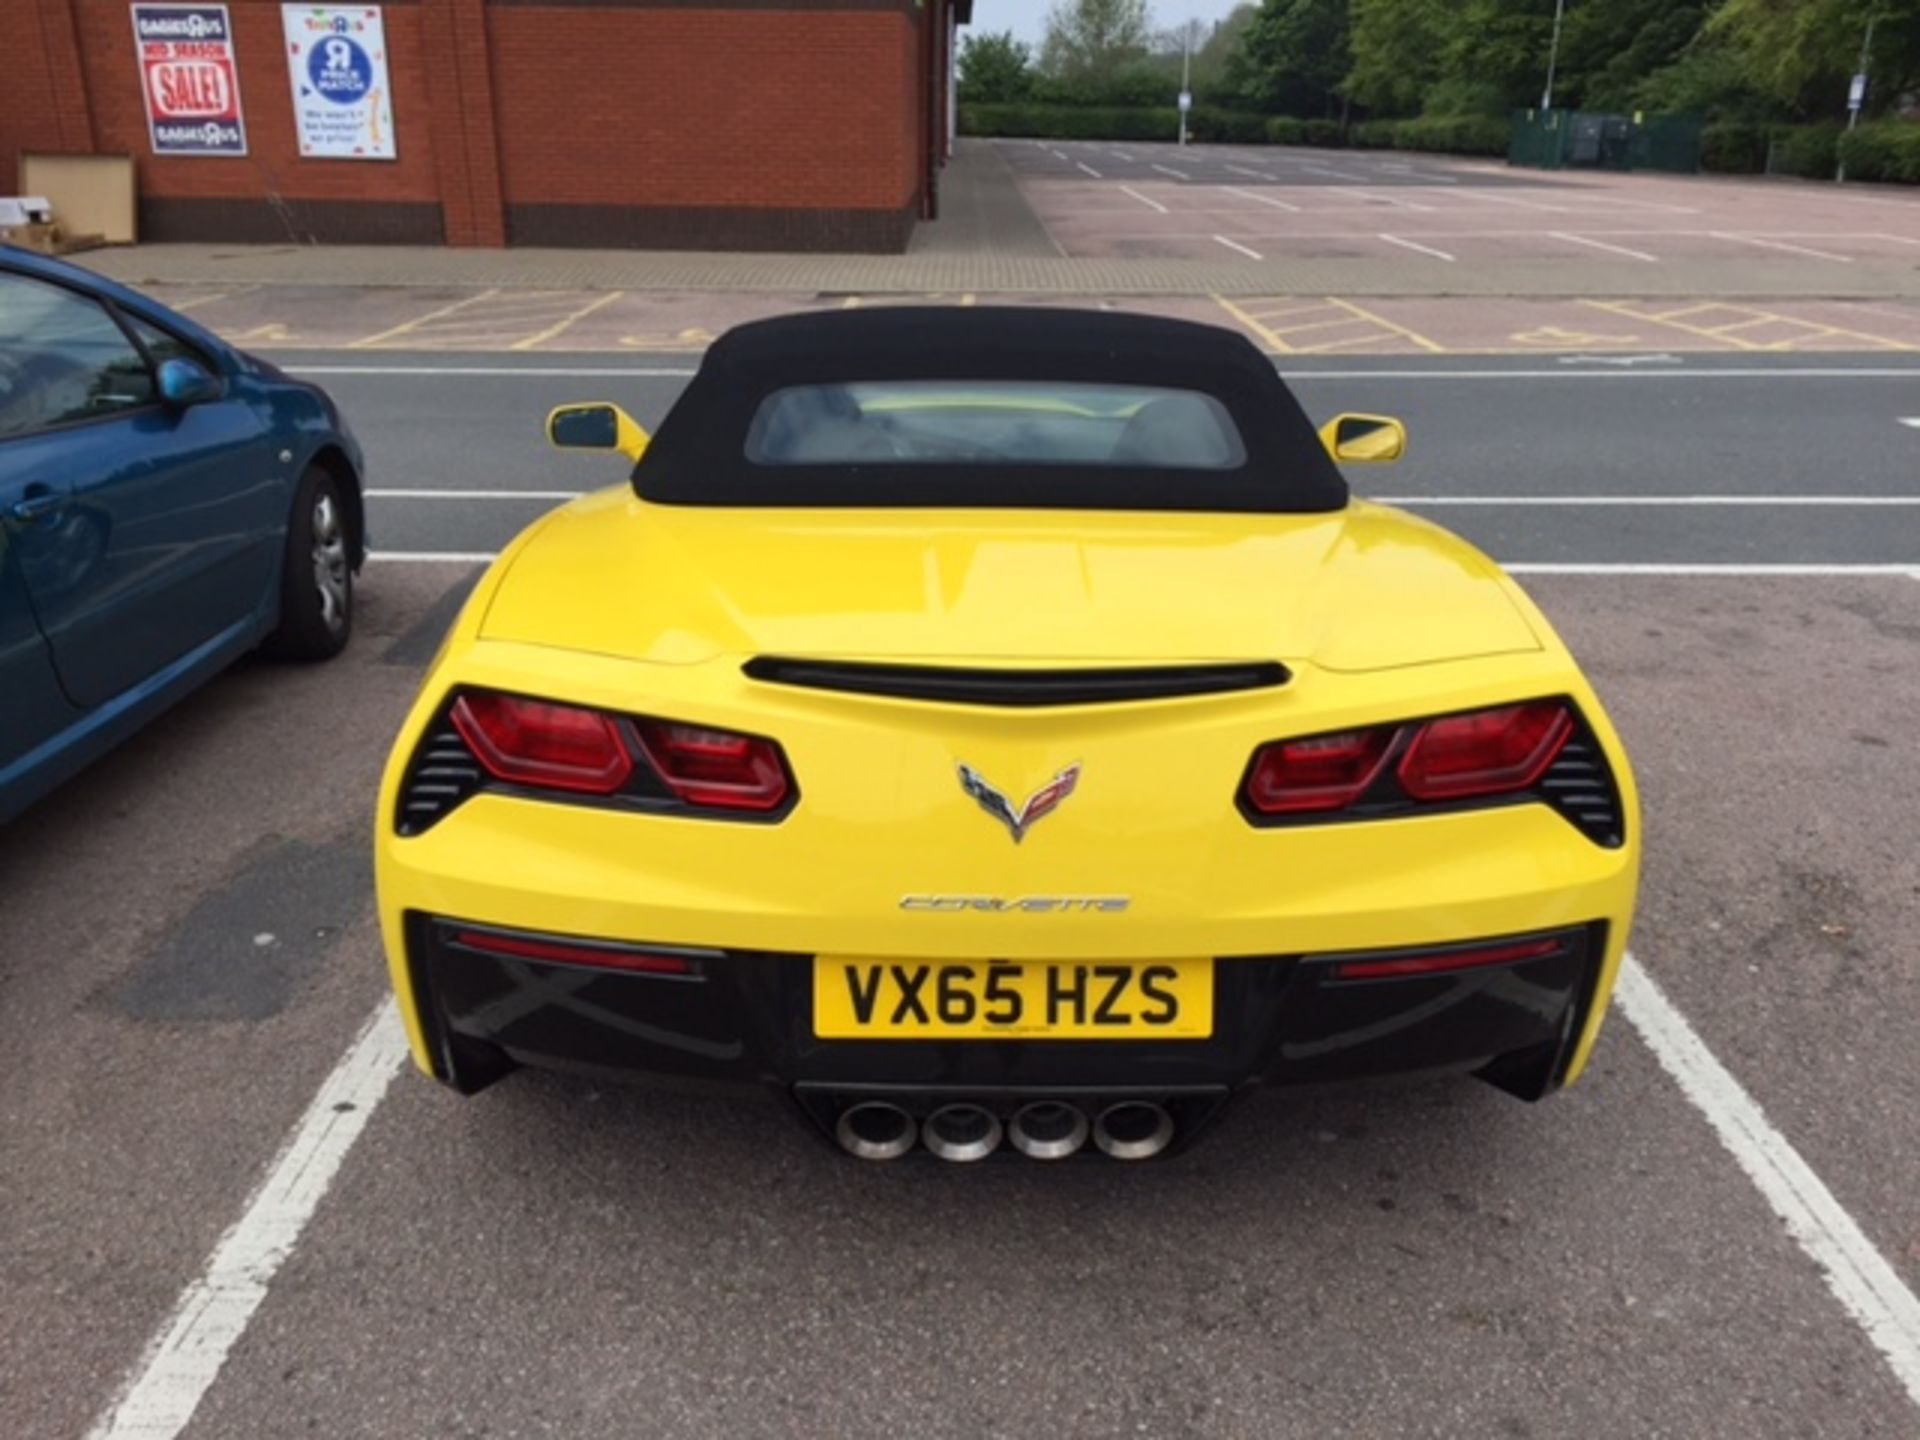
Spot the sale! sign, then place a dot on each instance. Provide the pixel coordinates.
(191, 80)
(342, 101)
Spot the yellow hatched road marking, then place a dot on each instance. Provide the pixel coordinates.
(553, 330)
(1806, 330)
(1272, 338)
(1422, 341)
(409, 326)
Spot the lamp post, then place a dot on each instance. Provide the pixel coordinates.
(1857, 91)
(1553, 54)
(1186, 75)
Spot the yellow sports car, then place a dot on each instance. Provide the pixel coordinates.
(999, 731)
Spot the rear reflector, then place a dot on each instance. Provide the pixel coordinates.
(1322, 772)
(538, 743)
(1487, 752)
(716, 769)
(1401, 967)
(560, 952)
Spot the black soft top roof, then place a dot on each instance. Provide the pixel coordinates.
(699, 456)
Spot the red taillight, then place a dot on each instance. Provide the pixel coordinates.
(1400, 967)
(1323, 772)
(560, 952)
(1487, 752)
(535, 742)
(716, 769)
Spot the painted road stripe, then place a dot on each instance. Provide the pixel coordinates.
(1523, 567)
(1912, 422)
(1089, 169)
(1143, 199)
(1603, 245)
(1263, 199)
(1666, 374)
(1758, 500)
(1169, 170)
(476, 494)
(185, 1356)
(1782, 245)
(1415, 245)
(1236, 245)
(1867, 1287)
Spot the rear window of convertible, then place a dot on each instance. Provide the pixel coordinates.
(988, 423)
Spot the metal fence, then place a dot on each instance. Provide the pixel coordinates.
(1590, 140)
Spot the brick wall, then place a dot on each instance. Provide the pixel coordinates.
(750, 124)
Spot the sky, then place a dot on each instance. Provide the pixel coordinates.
(1028, 18)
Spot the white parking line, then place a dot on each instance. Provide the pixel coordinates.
(1256, 174)
(475, 494)
(186, 1353)
(1143, 199)
(1169, 170)
(1088, 168)
(1603, 245)
(1782, 245)
(1236, 245)
(1632, 500)
(1263, 199)
(1912, 422)
(1416, 245)
(1867, 1287)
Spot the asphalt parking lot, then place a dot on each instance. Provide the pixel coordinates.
(1209, 202)
(237, 1202)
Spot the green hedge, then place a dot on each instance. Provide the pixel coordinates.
(1455, 135)
(1735, 149)
(1071, 122)
(1886, 150)
(1459, 135)
(1809, 151)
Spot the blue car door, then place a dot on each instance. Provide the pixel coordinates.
(141, 530)
(32, 709)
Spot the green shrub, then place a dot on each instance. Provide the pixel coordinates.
(1807, 150)
(1071, 122)
(1285, 130)
(1326, 132)
(1372, 134)
(1454, 134)
(1734, 149)
(1226, 127)
(1886, 150)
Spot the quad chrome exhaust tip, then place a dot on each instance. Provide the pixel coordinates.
(961, 1132)
(1133, 1130)
(1048, 1130)
(875, 1130)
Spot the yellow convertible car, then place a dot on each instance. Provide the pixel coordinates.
(999, 731)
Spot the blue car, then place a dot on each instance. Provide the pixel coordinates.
(167, 504)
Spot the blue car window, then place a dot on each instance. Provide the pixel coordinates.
(161, 346)
(63, 359)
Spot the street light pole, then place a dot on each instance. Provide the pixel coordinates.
(1857, 92)
(1186, 74)
(1553, 54)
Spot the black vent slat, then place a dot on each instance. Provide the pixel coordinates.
(955, 685)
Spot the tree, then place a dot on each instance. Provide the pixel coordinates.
(1293, 56)
(995, 68)
(1801, 54)
(1396, 48)
(1089, 42)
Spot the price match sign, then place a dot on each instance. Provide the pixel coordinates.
(191, 81)
(342, 99)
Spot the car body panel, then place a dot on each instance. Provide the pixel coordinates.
(1364, 589)
(882, 816)
(158, 558)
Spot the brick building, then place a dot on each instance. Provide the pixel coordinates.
(659, 124)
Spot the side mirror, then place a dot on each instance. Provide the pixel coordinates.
(187, 382)
(1364, 439)
(597, 426)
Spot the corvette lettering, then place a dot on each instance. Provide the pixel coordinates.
(1024, 904)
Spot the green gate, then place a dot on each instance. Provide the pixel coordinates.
(1590, 140)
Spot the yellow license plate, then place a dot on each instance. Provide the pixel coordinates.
(1011, 999)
